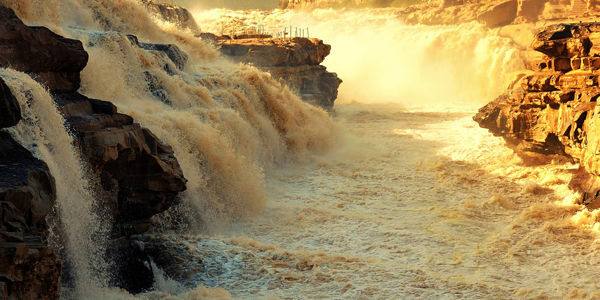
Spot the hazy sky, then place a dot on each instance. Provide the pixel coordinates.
(232, 4)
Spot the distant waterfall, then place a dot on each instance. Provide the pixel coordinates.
(382, 60)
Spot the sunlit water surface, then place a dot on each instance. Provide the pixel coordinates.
(412, 205)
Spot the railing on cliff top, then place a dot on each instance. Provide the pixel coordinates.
(257, 31)
(260, 31)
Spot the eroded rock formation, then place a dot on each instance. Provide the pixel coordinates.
(295, 61)
(552, 110)
(493, 13)
(54, 60)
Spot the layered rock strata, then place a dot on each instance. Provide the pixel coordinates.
(552, 110)
(295, 61)
(28, 268)
(137, 175)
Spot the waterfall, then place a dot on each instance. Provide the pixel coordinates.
(42, 131)
(226, 122)
(383, 60)
(230, 124)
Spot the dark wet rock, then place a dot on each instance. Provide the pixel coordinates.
(10, 112)
(139, 175)
(54, 60)
(179, 261)
(176, 55)
(28, 268)
(134, 268)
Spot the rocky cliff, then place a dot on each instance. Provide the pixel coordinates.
(138, 174)
(295, 61)
(552, 110)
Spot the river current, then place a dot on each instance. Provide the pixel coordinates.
(414, 205)
(397, 194)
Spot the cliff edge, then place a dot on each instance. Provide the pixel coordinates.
(294, 61)
(552, 110)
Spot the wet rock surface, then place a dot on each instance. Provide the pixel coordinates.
(54, 60)
(295, 61)
(10, 112)
(552, 110)
(139, 175)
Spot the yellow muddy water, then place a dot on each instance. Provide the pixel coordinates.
(379, 202)
(412, 205)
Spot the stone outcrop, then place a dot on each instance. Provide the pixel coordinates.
(492, 13)
(295, 61)
(138, 175)
(552, 110)
(54, 60)
(174, 14)
(134, 167)
(28, 268)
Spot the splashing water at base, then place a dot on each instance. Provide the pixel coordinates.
(424, 206)
(42, 131)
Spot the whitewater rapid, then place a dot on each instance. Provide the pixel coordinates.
(416, 205)
(398, 194)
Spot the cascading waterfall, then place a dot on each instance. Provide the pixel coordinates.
(382, 60)
(42, 131)
(225, 122)
(231, 124)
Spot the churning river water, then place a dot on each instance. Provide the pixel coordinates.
(412, 205)
(397, 195)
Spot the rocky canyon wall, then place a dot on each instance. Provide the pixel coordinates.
(552, 109)
(492, 13)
